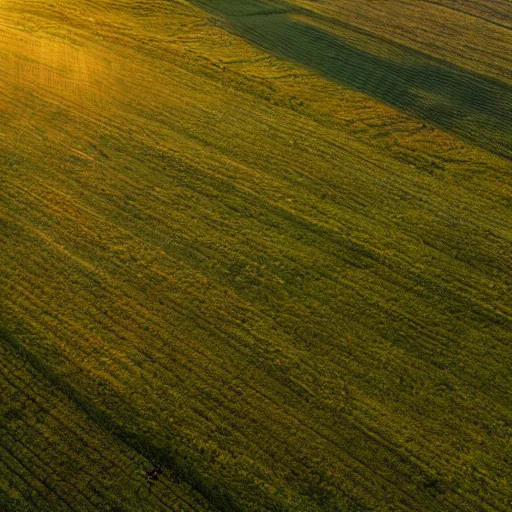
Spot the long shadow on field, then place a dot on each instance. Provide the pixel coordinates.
(177, 462)
(471, 105)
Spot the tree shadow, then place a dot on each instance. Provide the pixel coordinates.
(473, 106)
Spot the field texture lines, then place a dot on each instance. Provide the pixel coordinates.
(474, 106)
(254, 257)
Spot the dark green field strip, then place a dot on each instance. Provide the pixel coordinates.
(452, 35)
(472, 106)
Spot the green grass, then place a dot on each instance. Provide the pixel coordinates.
(473, 106)
(289, 294)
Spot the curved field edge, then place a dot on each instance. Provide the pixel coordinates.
(475, 107)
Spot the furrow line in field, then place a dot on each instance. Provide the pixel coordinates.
(468, 12)
(10, 470)
(39, 466)
(171, 489)
(43, 483)
(330, 441)
(78, 434)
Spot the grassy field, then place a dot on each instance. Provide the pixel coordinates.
(264, 247)
(475, 106)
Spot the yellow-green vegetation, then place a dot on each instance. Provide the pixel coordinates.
(279, 282)
(475, 106)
